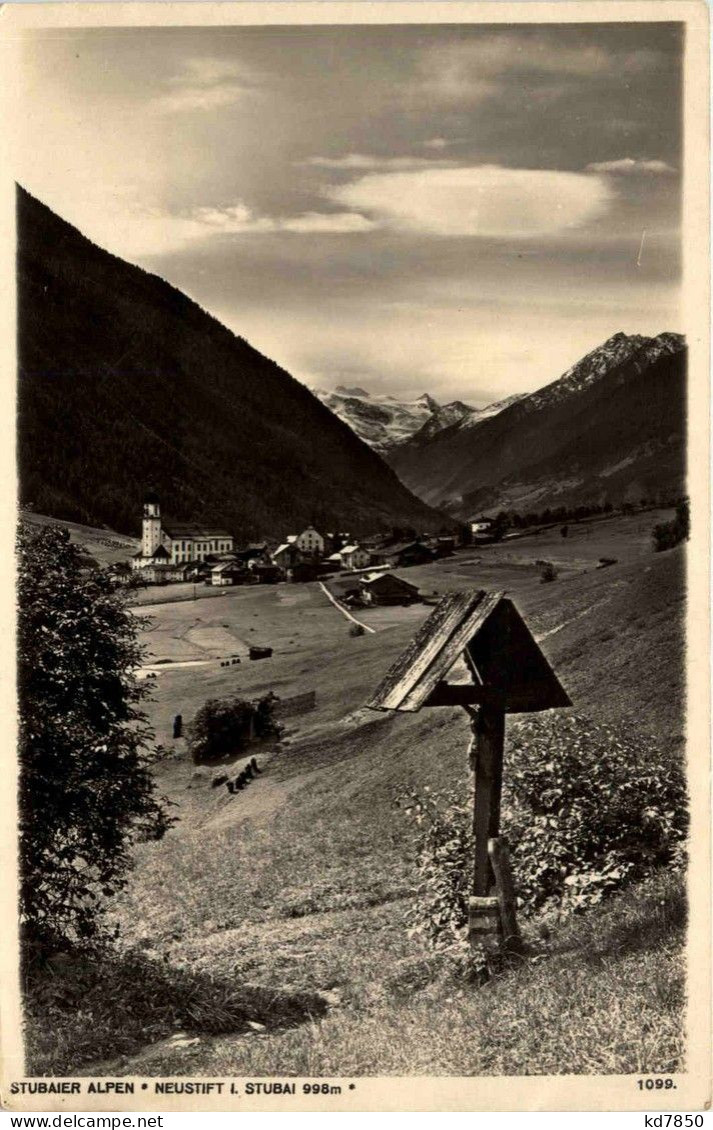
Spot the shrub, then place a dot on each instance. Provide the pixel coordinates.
(223, 727)
(356, 629)
(587, 809)
(547, 572)
(86, 790)
(668, 534)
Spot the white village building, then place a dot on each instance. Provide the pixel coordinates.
(176, 542)
(354, 557)
(309, 542)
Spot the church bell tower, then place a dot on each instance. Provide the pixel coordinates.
(151, 539)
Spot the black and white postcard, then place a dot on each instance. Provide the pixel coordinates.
(356, 500)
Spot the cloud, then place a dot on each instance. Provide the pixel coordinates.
(357, 162)
(630, 167)
(149, 232)
(206, 83)
(238, 220)
(482, 200)
(200, 98)
(441, 143)
(325, 222)
(478, 70)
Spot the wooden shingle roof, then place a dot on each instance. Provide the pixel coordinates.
(502, 655)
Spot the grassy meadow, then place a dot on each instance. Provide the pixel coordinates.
(271, 926)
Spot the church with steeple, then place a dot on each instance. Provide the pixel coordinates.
(176, 543)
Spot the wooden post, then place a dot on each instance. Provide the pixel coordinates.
(488, 725)
(500, 862)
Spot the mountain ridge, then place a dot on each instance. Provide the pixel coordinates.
(564, 443)
(383, 421)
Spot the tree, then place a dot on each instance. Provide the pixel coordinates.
(86, 789)
(668, 534)
(500, 526)
(224, 727)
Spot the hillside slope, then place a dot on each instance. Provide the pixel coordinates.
(610, 429)
(292, 886)
(125, 384)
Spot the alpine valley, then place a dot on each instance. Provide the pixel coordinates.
(148, 390)
(611, 429)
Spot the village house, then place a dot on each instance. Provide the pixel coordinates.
(334, 542)
(286, 555)
(354, 557)
(387, 588)
(265, 574)
(481, 530)
(176, 543)
(402, 554)
(163, 574)
(228, 573)
(256, 553)
(310, 543)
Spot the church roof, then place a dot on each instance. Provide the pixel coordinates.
(187, 530)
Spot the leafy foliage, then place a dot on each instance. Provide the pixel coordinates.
(668, 534)
(86, 790)
(587, 810)
(225, 726)
(548, 572)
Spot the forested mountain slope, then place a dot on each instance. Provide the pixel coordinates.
(126, 384)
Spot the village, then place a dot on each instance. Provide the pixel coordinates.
(183, 553)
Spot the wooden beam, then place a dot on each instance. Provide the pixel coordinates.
(500, 863)
(433, 651)
(456, 694)
(489, 732)
(472, 694)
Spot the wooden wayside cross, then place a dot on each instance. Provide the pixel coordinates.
(496, 668)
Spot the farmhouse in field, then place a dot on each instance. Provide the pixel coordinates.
(176, 543)
(386, 588)
(402, 554)
(482, 530)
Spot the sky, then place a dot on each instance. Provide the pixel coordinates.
(463, 210)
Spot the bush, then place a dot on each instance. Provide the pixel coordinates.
(587, 810)
(668, 534)
(86, 790)
(223, 727)
(547, 572)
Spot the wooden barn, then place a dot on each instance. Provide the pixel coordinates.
(386, 588)
(228, 573)
(402, 554)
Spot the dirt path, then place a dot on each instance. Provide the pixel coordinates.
(343, 610)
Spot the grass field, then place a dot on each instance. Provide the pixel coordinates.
(298, 889)
(105, 546)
